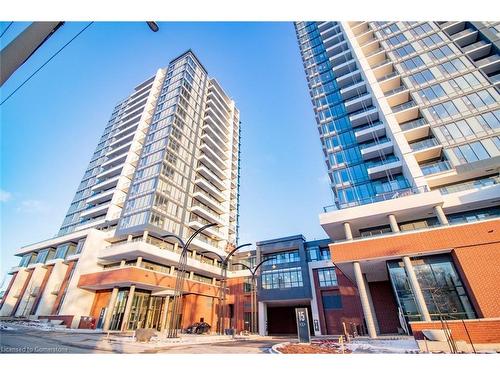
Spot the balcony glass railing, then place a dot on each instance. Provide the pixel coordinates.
(401, 107)
(367, 126)
(380, 141)
(396, 90)
(379, 198)
(374, 52)
(362, 110)
(383, 62)
(413, 124)
(426, 143)
(387, 76)
(388, 160)
(433, 168)
(355, 82)
(478, 184)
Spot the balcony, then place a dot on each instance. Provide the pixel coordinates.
(434, 168)
(427, 149)
(379, 169)
(397, 90)
(341, 58)
(415, 129)
(112, 172)
(213, 156)
(95, 211)
(100, 197)
(213, 166)
(106, 184)
(465, 37)
(349, 79)
(490, 64)
(478, 50)
(405, 192)
(208, 199)
(360, 102)
(222, 142)
(353, 89)
(370, 131)
(364, 116)
(405, 111)
(214, 146)
(381, 63)
(197, 223)
(337, 48)
(376, 149)
(206, 212)
(211, 177)
(344, 68)
(388, 76)
(213, 190)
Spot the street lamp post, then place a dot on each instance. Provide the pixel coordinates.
(253, 295)
(179, 280)
(222, 298)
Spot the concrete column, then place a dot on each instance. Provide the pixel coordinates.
(262, 318)
(109, 309)
(164, 318)
(393, 223)
(365, 303)
(172, 270)
(372, 307)
(145, 235)
(215, 262)
(417, 292)
(191, 274)
(193, 254)
(347, 231)
(139, 262)
(122, 263)
(214, 281)
(443, 220)
(128, 307)
(130, 238)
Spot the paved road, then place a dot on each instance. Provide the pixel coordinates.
(35, 341)
(29, 340)
(260, 346)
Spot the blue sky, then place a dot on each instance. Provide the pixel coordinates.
(50, 127)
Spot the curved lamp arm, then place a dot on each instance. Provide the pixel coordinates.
(188, 242)
(212, 252)
(234, 250)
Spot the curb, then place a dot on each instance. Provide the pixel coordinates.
(275, 348)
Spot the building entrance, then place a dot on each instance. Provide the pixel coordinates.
(281, 320)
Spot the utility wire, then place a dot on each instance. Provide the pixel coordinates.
(7, 28)
(46, 62)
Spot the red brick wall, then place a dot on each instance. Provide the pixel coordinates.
(195, 307)
(419, 242)
(480, 331)
(331, 320)
(480, 270)
(385, 306)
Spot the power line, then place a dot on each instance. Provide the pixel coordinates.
(7, 28)
(46, 62)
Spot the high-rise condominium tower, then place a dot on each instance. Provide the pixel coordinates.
(408, 115)
(167, 163)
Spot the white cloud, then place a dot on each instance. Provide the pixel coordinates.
(32, 206)
(5, 196)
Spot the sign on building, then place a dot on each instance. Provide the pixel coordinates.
(302, 325)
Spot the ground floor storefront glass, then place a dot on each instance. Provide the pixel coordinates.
(145, 312)
(442, 288)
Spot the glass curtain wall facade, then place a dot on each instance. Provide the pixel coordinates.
(399, 103)
(346, 115)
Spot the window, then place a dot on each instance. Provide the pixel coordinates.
(282, 278)
(413, 63)
(327, 277)
(441, 286)
(331, 301)
(316, 253)
(441, 52)
(405, 50)
(283, 257)
(398, 39)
